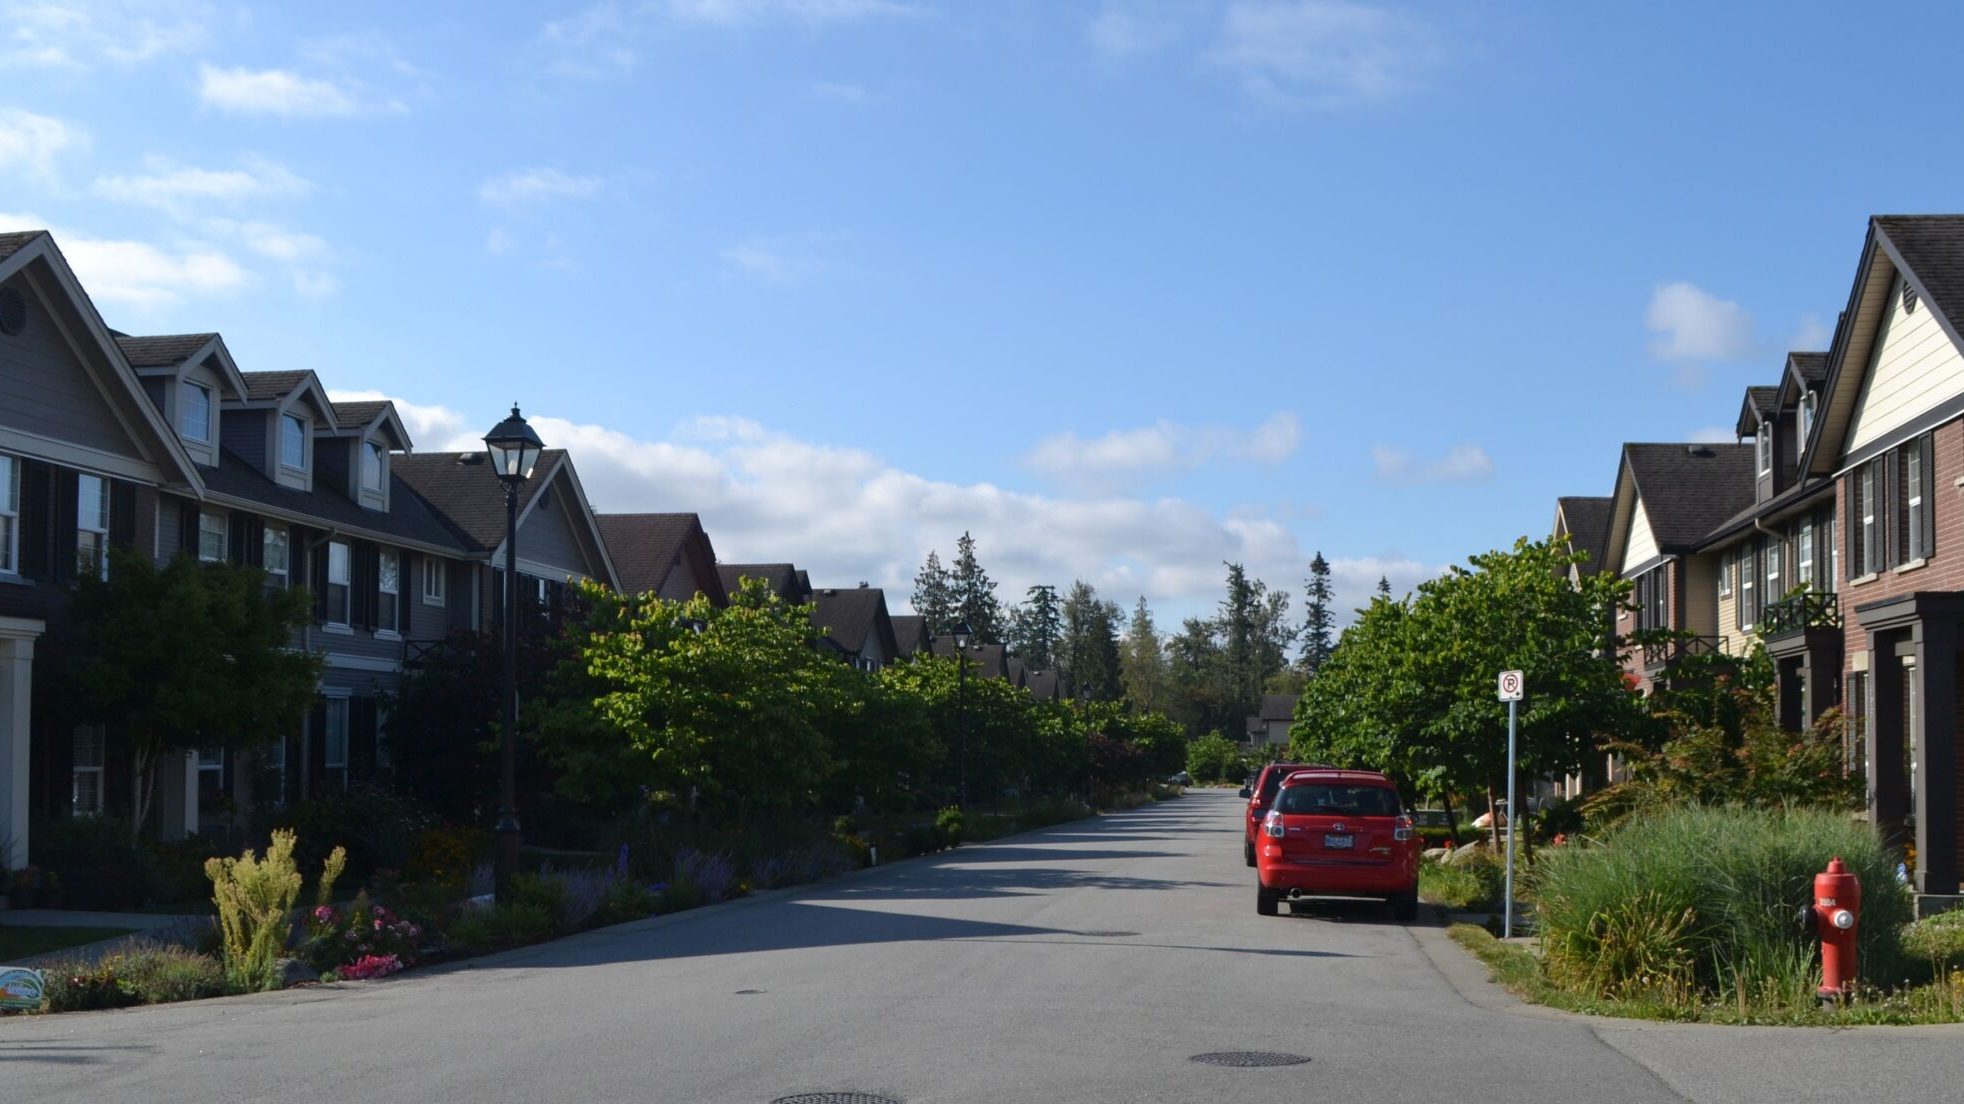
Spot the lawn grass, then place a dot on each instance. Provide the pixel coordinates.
(1519, 971)
(22, 941)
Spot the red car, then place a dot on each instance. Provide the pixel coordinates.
(1262, 791)
(1337, 833)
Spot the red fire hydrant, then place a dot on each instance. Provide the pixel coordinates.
(1837, 909)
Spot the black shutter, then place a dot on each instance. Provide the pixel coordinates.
(1897, 499)
(361, 739)
(366, 567)
(254, 552)
(316, 554)
(1927, 540)
(235, 538)
(1851, 526)
(409, 589)
(122, 514)
(64, 517)
(36, 519)
(187, 527)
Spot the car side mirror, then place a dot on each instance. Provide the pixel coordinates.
(1247, 791)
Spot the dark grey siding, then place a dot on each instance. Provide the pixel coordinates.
(154, 387)
(43, 388)
(547, 537)
(427, 622)
(331, 464)
(244, 432)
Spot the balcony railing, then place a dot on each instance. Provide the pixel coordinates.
(1659, 653)
(1800, 612)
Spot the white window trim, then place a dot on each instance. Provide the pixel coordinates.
(288, 422)
(10, 512)
(285, 544)
(434, 572)
(389, 599)
(1725, 574)
(211, 407)
(339, 618)
(1804, 555)
(77, 769)
(370, 448)
(1913, 505)
(223, 533)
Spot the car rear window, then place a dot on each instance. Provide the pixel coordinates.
(1338, 801)
(1272, 781)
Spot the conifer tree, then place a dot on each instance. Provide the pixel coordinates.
(974, 595)
(1036, 626)
(1318, 623)
(934, 596)
(1142, 662)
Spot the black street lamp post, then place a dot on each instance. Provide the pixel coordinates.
(513, 449)
(961, 634)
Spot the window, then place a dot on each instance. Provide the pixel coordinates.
(293, 442)
(1653, 594)
(1775, 552)
(9, 515)
(85, 796)
(1807, 401)
(194, 420)
(1746, 614)
(388, 580)
(338, 590)
(211, 537)
(1892, 498)
(1915, 489)
(334, 742)
(273, 555)
(1764, 440)
(1868, 554)
(1804, 557)
(92, 526)
(1725, 574)
(211, 780)
(276, 769)
(371, 466)
(433, 569)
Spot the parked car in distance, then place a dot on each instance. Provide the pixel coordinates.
(1180, 779)
(1259, 793)
(1337, 833)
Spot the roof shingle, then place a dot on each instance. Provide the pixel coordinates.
(646, 547)
(162, 350)
(1688, 491)
(1933, 248)
(465, 491)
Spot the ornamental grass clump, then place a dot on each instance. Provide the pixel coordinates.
(1700, 902)
(255, 908)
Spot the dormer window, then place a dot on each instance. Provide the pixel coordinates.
(1764, 439)
(1806, 422)
(194, 420)
(371, 466)
(293, 442)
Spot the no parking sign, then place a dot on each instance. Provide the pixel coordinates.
(1510, 686)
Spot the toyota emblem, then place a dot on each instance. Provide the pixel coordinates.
(1337, 827)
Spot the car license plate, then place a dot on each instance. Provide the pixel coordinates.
(1337, 843)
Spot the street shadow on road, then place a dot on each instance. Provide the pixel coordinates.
(1010, 853)
(1349, 910)
(1022, 881)
(46, 1053)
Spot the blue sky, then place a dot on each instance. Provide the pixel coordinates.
(1126, 289)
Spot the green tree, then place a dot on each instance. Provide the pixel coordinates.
(934, 595)
(1384, 586)
(1036, 627)
(187, 656)
(1088, 654)
(974, 595)
(1319, 624)
(1254, 632)
(1214, 758)
(1142, 662)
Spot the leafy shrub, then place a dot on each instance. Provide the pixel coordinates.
(174, 871)
(544, 891)
(624, 901)
(155, 973)
(499, 927)
(96, 859)
(1721, 887)
(1937, 939)
(369, 966)
(376, 826)
(336, 937)
(948, 826)
(1476, 882)
(255, 904)
(712, 875)
(77, 985)
(444, 854)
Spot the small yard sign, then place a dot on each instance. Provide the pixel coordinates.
(21, 989)
(1510, 686)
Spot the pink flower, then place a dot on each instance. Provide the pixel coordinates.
(324, 914)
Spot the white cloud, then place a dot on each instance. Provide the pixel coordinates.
(176, 188)
(79, 34)
(1812, 336)
(736, 13)
(538, 185)
(837, 90)
(1123, 456)
(1714, 435)
(1120, 32)
(1695, 325)
(790, 260)
(274, 92)
(31, 144)
(604, 40)
(141, 274)
(1326, 53)
(433, 428)
(1460, 464)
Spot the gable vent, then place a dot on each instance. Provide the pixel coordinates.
(1700, 451)
(13, 312)
(1909, 298)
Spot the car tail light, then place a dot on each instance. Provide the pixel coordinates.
(1273, 825)
(1402, 828)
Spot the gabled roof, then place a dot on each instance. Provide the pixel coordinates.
(1015, 670)
(909, 633)
(1585, 521)
(1685, 490)
(851, 617)
(648, 548)
(370, 415)
(1928, 252)
(783, 579)
(1761, 404)
(466, 493)
(1279, 707)
(162, 350)
(1810, 367)
(263, 386)
(987, 660)
(408, 519)
(359, 413)
(12, 241)
(1044, 685)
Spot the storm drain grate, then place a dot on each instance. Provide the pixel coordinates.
(1249, 1059)
(836, 1098)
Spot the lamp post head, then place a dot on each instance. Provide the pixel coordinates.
(961, 634)
(513, 448)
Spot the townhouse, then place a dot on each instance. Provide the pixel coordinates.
(1835, 538)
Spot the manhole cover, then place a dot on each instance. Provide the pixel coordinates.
(836, 1098)
(1249, 1059)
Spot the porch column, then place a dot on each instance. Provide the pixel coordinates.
(1936, 757)
(1888, 799)
(17, 636)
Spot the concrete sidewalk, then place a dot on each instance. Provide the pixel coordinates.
(144, 923)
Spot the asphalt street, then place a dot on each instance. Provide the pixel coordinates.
(1087, 962)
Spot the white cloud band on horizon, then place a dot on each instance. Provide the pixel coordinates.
(1465, 463)
(1124, 455)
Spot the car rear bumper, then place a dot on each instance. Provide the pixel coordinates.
(1337, 879)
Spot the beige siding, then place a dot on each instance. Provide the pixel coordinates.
(1915, 369)
(1640, 547)
(1701, 595)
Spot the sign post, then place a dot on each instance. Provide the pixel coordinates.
(1511, 685)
